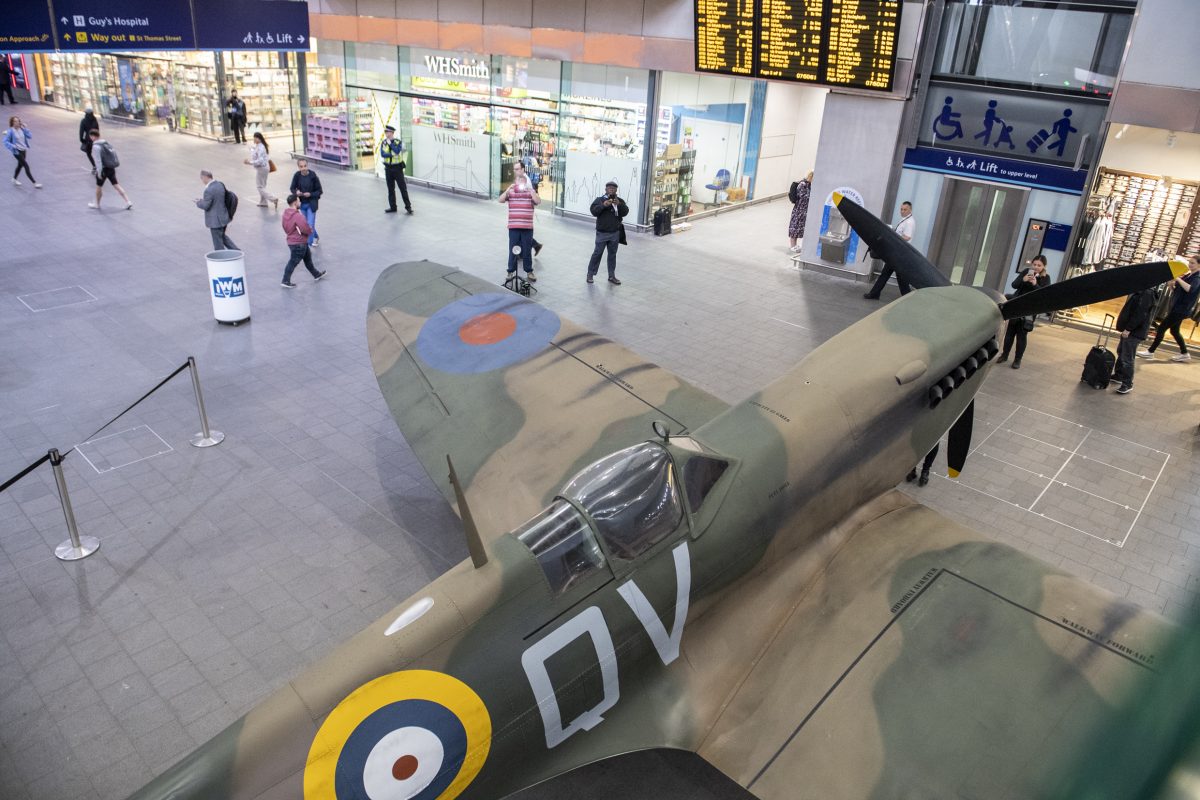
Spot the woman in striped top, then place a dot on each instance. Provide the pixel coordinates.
(521, 199)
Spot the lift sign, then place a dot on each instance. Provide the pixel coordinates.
(228, 287)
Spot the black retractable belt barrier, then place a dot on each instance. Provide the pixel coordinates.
(78, 547)
(129, 408)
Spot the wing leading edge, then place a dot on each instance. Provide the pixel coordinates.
(518, 397)
(921, 661)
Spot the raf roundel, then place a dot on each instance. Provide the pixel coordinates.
(412, 735)
(486, 332)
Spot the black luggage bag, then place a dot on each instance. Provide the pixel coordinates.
(1100, 361)
(662, 221)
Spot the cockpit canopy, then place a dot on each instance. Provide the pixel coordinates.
(632, 497)
(631, 500)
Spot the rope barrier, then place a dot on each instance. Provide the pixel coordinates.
(128, 408)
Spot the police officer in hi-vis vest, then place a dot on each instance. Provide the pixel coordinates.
(391, 151)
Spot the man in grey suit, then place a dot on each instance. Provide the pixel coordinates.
(216, 217)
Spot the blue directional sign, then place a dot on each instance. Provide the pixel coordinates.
(25, 27)
(994, 168)
(251, 25)
(92, 25)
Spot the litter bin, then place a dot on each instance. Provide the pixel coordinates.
(227, 281)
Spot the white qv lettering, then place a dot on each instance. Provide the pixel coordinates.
(591, 622)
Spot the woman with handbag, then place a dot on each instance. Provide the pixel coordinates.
(260, 159)
(1029, 279)
(798, 193)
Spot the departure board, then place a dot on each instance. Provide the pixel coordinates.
(848, 43)
(725, 36)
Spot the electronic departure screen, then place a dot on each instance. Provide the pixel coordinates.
(832, 42)
(725, 36)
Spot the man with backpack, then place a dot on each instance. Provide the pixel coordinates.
(107, 169)
(219, 205)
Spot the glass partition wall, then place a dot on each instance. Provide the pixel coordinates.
(466, 119)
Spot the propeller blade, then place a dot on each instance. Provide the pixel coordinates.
(960, 441)
(1093, 287)
(887, 245)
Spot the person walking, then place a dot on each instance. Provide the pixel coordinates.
(108, 169)
(391, 152)
(6, 81)
(1028, 279)
(297, 230)
(1133, 323)
(235, 109)
(1186, 290)
(88, 124)
(17, 141)
(798, 193)
(906, 228)
(609, 211)
(521, 199)
(307, 186)
(216, 214)
(260, 159)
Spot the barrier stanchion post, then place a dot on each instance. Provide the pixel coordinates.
(206, 437)
(77, 546)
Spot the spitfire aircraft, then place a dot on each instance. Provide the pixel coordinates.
(651, 567)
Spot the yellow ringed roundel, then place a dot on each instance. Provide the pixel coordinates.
(411, 735)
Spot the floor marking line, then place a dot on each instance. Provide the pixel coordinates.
(1147, 500)
(794, 325)
(1039, 441)
(998, 427)
(1054, 477)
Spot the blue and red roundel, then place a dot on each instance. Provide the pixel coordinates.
(485, 332)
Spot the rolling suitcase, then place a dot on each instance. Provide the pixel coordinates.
(662, 222)
(1098, 366)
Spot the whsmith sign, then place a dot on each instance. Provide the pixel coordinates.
(124, 25)
(454, 67)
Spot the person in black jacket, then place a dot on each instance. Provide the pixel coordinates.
(1032, 277)
(307, 186)
(6, 81)
(1186, 290)
(609, 210)
(88, 124)
(235, 109)
(1133, 323)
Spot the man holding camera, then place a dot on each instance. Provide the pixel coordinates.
(391, 152)
(609, 211)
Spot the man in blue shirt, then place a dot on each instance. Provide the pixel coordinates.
(1186, 290)
(391, 153)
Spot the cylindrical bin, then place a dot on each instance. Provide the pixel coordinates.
(227, 282)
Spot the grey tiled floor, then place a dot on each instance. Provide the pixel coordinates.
(225, 571)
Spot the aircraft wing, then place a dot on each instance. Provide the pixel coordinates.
(518, 397)
(918, 661)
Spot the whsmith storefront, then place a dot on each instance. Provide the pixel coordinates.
(466, 119)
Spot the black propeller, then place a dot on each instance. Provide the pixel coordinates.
(914, 268)
(887, 245)
(959, 444)
(1093, 287)
(920, 273)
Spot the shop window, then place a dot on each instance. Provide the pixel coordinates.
(1043, 45)
(374, 66)
(705, 141)
(525, 103)
(603, 132)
